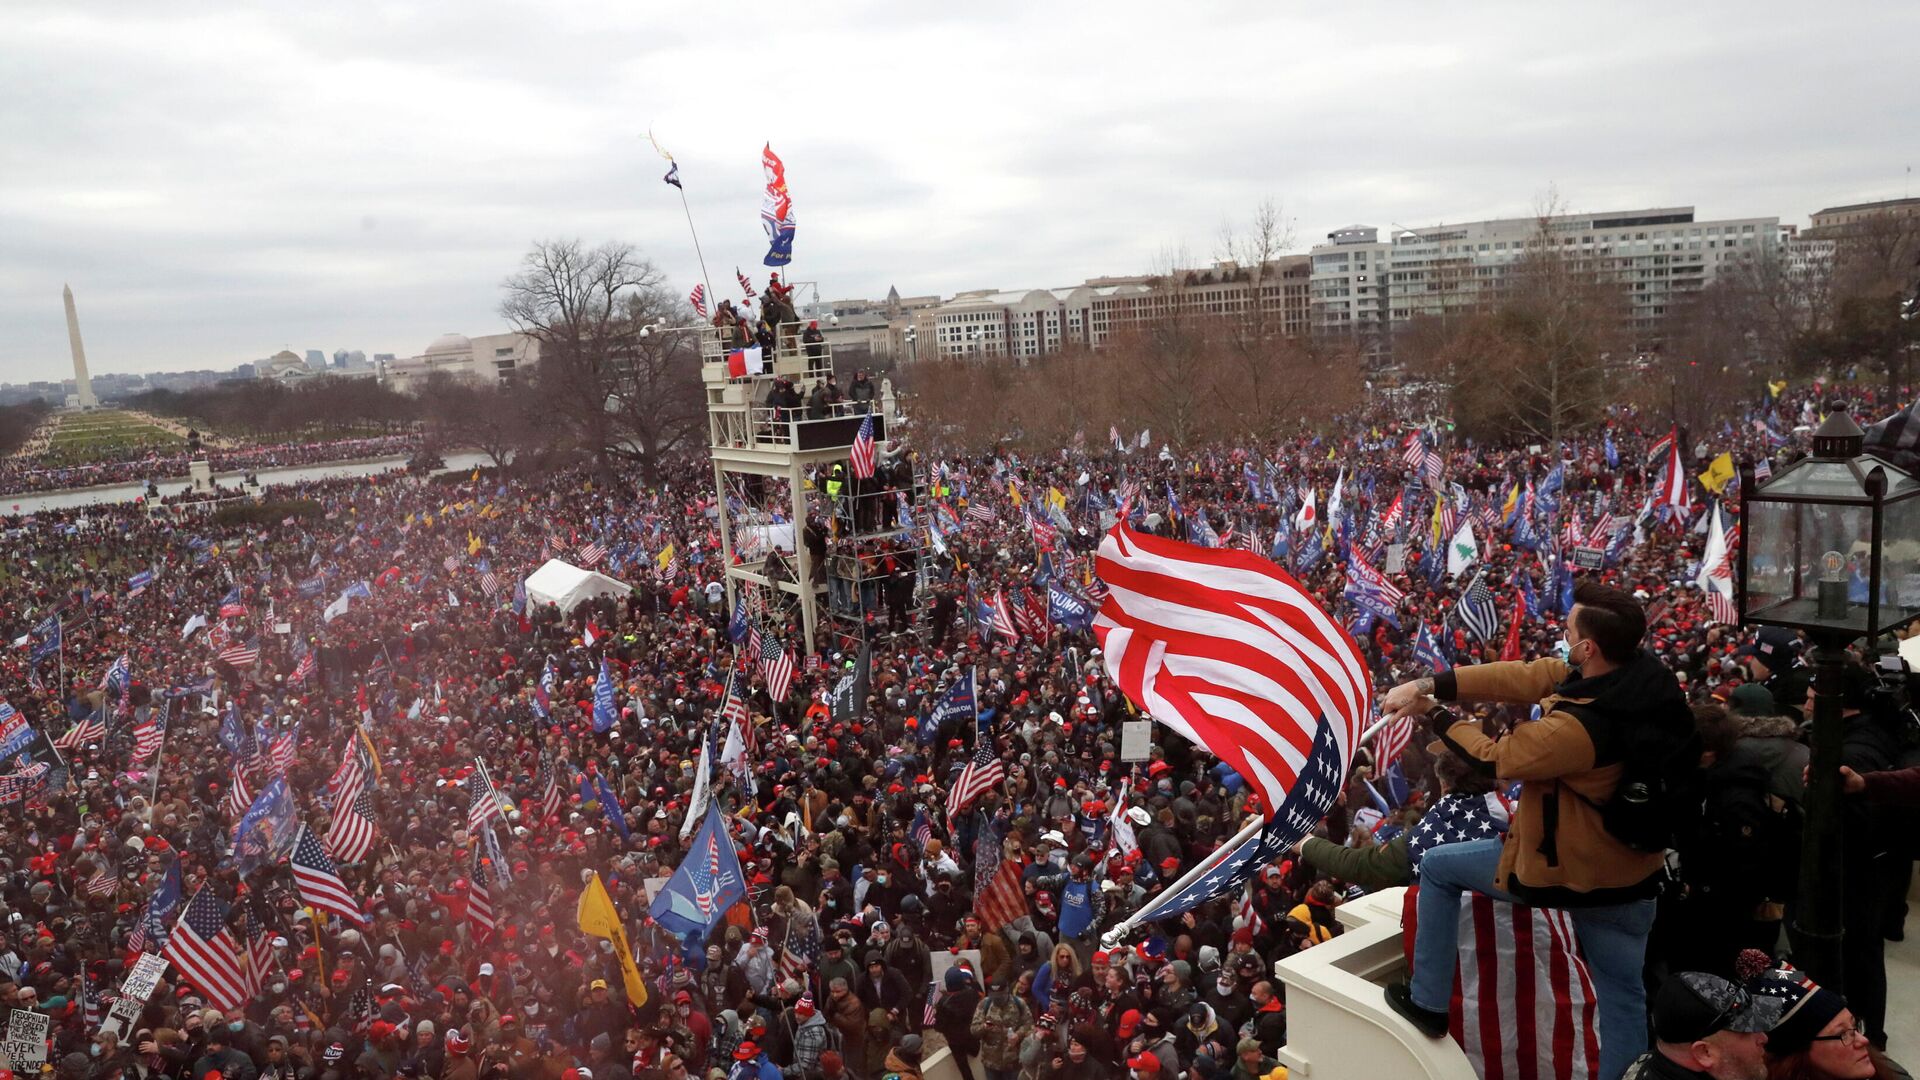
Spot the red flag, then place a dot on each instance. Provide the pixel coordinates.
(1511, 649)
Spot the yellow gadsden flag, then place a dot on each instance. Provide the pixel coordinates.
(1718, 473)
(599, 919)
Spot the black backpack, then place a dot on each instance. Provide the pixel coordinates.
(1657, 799)
(1748, 844)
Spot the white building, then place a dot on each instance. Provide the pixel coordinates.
(1368, 287)
(490, 359)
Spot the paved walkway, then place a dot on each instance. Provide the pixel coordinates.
(1903, 993)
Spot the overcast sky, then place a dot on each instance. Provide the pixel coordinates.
(223, 184)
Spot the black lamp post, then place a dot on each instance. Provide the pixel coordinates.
(1830, 547)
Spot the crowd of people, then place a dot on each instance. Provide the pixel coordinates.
(137, 464)
(388, 636)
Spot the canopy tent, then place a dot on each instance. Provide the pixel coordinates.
(562, 583)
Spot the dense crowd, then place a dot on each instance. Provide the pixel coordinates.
(390, 631)
(139, 464)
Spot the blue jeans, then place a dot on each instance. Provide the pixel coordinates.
(1613, 939)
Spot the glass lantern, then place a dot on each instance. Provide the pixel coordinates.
(1831, 545)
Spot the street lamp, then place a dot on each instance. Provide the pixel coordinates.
(1831, 548)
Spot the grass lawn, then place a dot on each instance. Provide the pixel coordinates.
(81, 435)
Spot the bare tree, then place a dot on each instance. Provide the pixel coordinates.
(657, 397)
(574, 301)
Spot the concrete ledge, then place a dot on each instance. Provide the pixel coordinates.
(1338, 1023)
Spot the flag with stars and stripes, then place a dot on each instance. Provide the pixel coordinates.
(776, 667)
(239, 795)
(861, 458)
(203, 950)
(1230, 866)
(480, 917)
(350, 837)
(551, 798)
(483, 808)
(319, 879)
(592, 554)
(1235, 655)
(305, 669)
(982, 773)
(92, 729)
(149, 734)
(1454, 819)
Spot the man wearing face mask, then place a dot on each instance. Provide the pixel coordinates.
(1560, 851)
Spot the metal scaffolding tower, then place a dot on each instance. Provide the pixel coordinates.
(797, 556)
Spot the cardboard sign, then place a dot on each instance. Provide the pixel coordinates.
(134, 992)
(1396, 558)
(1136, 739)
(26, 1043)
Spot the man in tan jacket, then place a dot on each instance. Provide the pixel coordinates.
(1558, 853)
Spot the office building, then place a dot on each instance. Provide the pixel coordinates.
(1368, 288)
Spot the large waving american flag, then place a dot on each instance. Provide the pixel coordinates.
(1230, 651)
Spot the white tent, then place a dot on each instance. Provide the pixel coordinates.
(569, 586)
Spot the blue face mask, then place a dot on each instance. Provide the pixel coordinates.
(237, 1025)
(94, 1050)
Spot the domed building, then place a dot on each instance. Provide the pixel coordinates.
(491, 358)
(283, 366)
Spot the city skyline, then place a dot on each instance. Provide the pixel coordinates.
(377, 179)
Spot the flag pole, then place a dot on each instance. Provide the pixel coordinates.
(1206, 866)
(714, 297)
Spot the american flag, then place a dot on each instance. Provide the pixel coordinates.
(698, 298)
(480, 897)
(350, 778)
(1231, 652)
(1602, 530)
(350, 837)
(148, 735)
(980, 513)
(1248, 914)
(862, 454)
(1762, 470)
(15, 786)
(793, 963)
(983, 772)
(1390, 742)
(259, 954)
(204, 951)
(242, 655)
(745, 285)
(319, 880)
(450, 563)
(1573, 533)
(1524, 1005)
(239, 795)
(92, 729)
(102, 882)
(484, 807)
(591, 554)
(1003, 616)
(776, 667)
(281, 752)
(305, 668)
(999, 900)
(489, 584)
(551, 799)
(1031, 621)
(929, 1015)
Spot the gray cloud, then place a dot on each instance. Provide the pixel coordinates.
(220, 184)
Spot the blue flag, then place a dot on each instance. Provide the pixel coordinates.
(1427, 651)
(1068, 608)
(604, 713)
(162, 905)
(610, 806)
(266, 829)
(706, 884)
(737, 629)
(958, 701)
(1613, 453)
(49, 634)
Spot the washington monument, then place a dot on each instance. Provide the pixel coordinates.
(82, 385)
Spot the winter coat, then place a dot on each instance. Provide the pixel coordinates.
(1558, 853)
